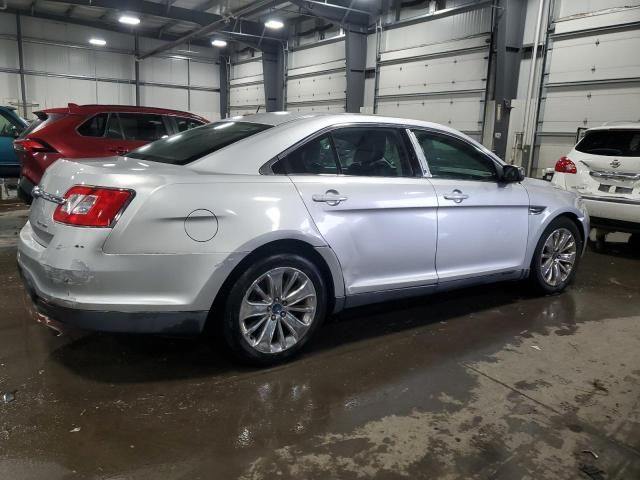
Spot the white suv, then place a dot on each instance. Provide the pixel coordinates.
(604, 168)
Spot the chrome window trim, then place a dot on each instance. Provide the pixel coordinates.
(496, 162)
(422, 159)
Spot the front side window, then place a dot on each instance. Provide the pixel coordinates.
(314, 157)
(452, 158)
(95, 126)
(142, 126)
(186, 147)
(615, 143)
(372, 152)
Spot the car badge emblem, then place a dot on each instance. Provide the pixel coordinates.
(615, 163)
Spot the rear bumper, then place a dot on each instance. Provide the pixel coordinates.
(612, 211)
(60, 318)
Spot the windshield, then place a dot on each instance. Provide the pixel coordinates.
(615, 143)
(188, 146)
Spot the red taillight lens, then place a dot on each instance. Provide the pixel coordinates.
(565, 165)
(32, 145)
(92, 206)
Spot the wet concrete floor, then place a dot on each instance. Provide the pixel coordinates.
(482, 383)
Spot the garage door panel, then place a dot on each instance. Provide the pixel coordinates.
(463, 112)
(327, 107)
(243, 95)
(463, 72)
(317, 88)
(605, 57)
(567, 108)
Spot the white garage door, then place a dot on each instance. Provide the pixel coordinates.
(592, 75)
(246, 93)
(437, 70)
(316, 78)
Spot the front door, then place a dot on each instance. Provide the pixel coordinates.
(483, 224)
(361, 188)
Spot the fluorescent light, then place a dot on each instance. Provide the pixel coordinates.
(218, 43)
(97, 41)
(129, 20)
(274, 24)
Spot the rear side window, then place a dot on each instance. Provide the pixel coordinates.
(146, 127)
(315, 157)
(184, 124)
(94, 127)
(188, 146)
(613, 143)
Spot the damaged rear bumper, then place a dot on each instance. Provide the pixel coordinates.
(60, 317)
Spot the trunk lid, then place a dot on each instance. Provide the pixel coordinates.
(115, 172)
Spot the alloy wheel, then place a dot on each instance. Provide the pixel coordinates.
(278, 309)
(558, 257)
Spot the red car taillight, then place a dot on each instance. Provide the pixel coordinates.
(92, 206)
(32, 145)
(565, 165)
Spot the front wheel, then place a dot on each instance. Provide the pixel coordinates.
(274, 308)
(556, 257)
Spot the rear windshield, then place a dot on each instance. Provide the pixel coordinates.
(613, 143)
(190, 145)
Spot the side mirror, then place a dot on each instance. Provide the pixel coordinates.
(512, 174)
(15, 132)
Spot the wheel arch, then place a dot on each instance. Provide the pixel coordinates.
(321, 257)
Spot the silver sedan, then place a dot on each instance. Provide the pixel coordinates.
(261, 226)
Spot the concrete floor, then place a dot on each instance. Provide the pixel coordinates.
(482, 383)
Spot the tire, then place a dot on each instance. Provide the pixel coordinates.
(252, 314)
(557, 278)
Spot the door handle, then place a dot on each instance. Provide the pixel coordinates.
(331, 197)
(457, 196)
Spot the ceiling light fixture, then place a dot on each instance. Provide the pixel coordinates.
(129, 20)
(218, 43)
(274, 24)
(97, 41)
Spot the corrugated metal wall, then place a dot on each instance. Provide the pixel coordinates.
(316, 78)
(592, 73)
(435, 70)
(246, 91)
(61, 67)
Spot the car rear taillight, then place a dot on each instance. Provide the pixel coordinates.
(33, 145)
(92, 206)
(565, 165)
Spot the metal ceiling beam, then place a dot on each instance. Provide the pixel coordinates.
(341, 12)
(244, 31)
(149, 8)
(87, 23)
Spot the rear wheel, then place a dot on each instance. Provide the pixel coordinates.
(556, 256)
(274, 308)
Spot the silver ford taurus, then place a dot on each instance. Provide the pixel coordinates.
(263, 225)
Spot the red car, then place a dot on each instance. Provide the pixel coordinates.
(87, 131)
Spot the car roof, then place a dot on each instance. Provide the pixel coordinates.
(73, 108)
(248, 155)
(617, 126)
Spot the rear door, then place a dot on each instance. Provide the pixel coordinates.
(483, 224)
(366, 194)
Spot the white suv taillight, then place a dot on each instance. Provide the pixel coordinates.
(566, 165)
(92, 206)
